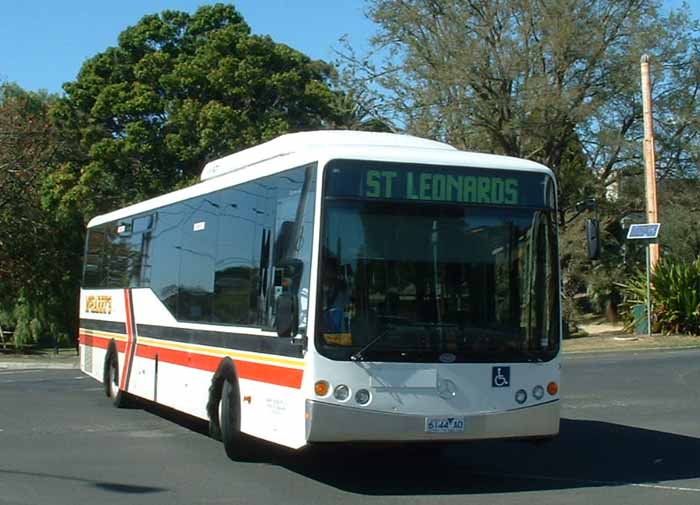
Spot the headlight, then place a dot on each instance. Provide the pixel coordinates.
(362, 397)
(341, 393)
(538, 392)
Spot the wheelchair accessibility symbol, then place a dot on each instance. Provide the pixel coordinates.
(500, 377)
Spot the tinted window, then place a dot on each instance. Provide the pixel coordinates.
(224, 257)
(116, 256)
(291, 200)
(93, 271)
(197, 249)
(237, 276)
(139, 246)
(163, 265)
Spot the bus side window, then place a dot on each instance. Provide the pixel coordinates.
(292, 197)
(93, 272)
(236, 268)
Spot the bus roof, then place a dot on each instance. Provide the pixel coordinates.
(295, 142)
(324, 145)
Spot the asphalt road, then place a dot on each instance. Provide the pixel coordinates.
(630, 434)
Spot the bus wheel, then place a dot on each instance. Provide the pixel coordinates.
(230, 420)
(111, 379)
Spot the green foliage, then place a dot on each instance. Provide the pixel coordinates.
(679, 215)
(7, 319)
(141, 119)
(25, 330)
(178, 91)
(39, 250)
(675, 295)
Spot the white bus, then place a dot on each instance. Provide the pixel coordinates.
(335, 286)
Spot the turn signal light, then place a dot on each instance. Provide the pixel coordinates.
(552, 388)
(321, 388)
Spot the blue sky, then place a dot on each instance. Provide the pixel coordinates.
(43, 43)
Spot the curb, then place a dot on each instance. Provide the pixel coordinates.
(643, 349)
(37, 365)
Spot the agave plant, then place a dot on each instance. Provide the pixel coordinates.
(634, 293)
(675, 295)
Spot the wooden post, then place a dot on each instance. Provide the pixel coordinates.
(649, 158)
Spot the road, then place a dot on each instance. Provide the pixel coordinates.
(630, 434)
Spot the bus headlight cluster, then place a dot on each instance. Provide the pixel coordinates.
(537, 392)
(341, 392)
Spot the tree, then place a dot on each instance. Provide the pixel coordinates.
(554, 81)
(25, 140)
(528, 78)
(39, 253)
(178, 91)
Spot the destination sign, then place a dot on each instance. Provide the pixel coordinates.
(425, 183)
(439, 187)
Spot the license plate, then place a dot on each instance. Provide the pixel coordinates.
(444, 424)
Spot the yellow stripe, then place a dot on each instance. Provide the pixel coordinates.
(217, 351)
(104, 334)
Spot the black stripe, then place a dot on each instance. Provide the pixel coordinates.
(99, 325)
(241, 342)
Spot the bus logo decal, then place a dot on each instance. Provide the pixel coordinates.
(98, 304)
(500, 376)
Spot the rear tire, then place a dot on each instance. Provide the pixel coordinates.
(234, 441)
(111, 380)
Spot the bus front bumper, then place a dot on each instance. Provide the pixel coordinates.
(336, 423)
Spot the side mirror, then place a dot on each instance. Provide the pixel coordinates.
(593, 238)
(286, 322)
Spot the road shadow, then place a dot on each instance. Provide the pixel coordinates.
(587, 454)
(116, 487)
(185, 420)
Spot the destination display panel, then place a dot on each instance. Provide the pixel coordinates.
(433, 183)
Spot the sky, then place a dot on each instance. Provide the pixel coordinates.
(43, 43)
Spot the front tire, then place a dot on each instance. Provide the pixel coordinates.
(230, 420)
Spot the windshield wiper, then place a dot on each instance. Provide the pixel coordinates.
(359, 355)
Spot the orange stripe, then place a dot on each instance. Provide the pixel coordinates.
(101, 342)
(261, 372)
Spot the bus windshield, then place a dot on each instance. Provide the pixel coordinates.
(415, 279)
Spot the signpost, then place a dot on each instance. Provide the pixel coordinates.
(648, 232)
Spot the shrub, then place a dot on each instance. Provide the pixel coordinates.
(675, 296)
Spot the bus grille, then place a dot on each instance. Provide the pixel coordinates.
(87, 358)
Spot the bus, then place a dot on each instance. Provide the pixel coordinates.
(335, 286)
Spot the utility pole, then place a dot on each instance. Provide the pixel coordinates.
(649, 158)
